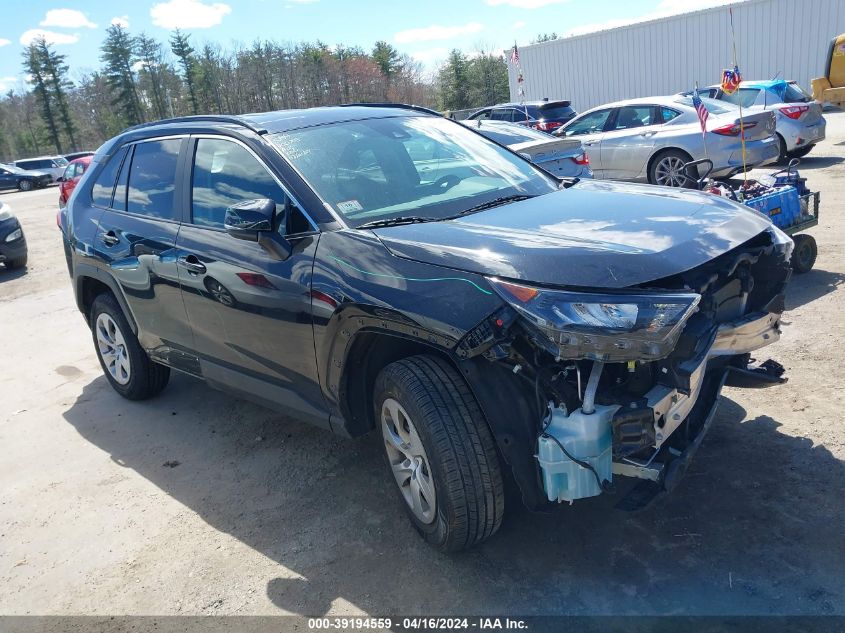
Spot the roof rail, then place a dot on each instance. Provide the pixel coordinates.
(219, 118)
(403, 106)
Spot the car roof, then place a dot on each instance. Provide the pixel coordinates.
(665, 100)
(288, 120)
(538, 104)
(21, 160)
(82, 160)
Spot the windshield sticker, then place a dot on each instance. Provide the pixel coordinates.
(349, 206)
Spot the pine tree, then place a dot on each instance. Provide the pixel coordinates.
(453, 78)
(55, 74)
(181, 47)
(151, 59)
(119, 57)
(32, 63)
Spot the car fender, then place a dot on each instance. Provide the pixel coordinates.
(83, 271)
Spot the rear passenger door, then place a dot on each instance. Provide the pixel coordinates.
(136, 240)
(250, 311)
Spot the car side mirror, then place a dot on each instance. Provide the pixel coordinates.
(252, 220)
(246, 220)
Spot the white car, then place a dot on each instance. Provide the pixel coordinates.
(650, 139)
(53, 165)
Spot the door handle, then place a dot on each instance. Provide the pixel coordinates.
(590, 143)
(191, 264)
(110, 238)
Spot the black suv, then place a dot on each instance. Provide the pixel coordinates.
(546, 116)
(384, 268)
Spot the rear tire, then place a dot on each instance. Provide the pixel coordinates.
(440, 451)
(801, 152)
(805, 253)
(12, 264)
(783, 155)
(125, 364)
(25, 185)
(666, 169)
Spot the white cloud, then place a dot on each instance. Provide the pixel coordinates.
(665, 9)
(430, 56)
(525, 4)
(518, 25)
(67, 18)
(7, 83)
(188, 14)
(120, 20)
(4, 42)
(27, 37)
(436, 32)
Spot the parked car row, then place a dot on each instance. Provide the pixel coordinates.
(32, 173)
(651, 139)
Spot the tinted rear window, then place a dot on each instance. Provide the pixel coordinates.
(556, 112)
(794, 94)
(152, 179)
(101, 193)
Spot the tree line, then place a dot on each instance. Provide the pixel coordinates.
(142, 79)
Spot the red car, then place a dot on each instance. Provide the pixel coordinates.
(73, 172)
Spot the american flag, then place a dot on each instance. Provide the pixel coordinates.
(701, 110)
(515, 55)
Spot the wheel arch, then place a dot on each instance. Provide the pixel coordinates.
(90, 282)
(367, 354)
(659, 152)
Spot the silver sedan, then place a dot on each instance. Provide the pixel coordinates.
(650, 139)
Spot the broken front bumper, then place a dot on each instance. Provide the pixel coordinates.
(696, 407)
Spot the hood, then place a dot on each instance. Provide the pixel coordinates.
(596, 234)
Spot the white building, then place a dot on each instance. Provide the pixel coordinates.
(787, 38)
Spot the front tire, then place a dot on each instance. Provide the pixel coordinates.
(125, 364)
(25, 185)
(440, 451)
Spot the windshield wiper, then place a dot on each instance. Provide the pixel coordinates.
(495, 202)
(406, 219)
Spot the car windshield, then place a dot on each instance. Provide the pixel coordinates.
(744, 97)
(12, 169)
(387, 168)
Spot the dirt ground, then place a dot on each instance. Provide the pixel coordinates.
(198, 503)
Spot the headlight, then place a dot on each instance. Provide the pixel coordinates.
(606, 327)
(14, 235)
(5, 212)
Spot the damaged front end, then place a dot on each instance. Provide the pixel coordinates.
(625, 383)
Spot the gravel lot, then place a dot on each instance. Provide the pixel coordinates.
(198, 503)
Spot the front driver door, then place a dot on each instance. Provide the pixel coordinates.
(628, 142)
(250, 312)
(589, 129)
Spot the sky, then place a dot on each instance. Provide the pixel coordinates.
(425, 30)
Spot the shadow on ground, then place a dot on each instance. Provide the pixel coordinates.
(755, 527)
(8, 275)
(803, 289)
